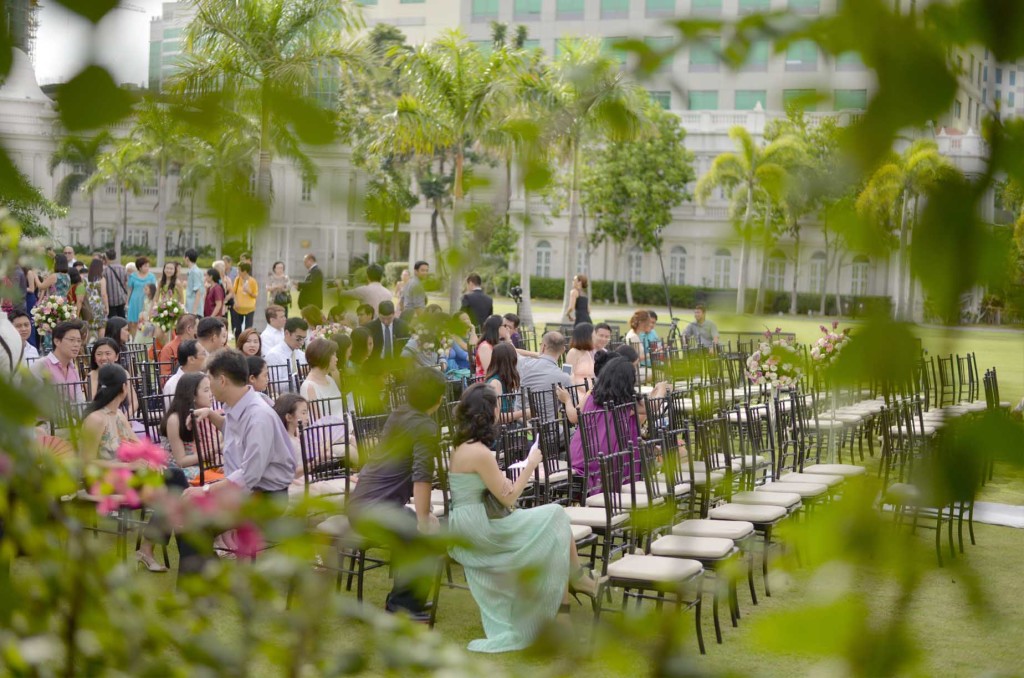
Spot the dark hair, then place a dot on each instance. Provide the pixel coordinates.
(110, 381)
(344, 343)
(75, 275)
(214, 274)
(244, 335)
(582, 337)
(293, 324)
(364, 309)
(310, 256)
(312, 315)
(140, 262)
(245, 267)
(191, 255)
(272, 312)
(425, 388)
(275, 265)
(654, 316)
(208, 327)
(113, 329)
(169, 283)
(602, 359)
(374, 272)
(230, 363)
(256, 364)
(700, 307)
(617, 383)
(418, 264)
(628, 352)
(186, 321)
(503, 366)
(95, 270)
(102, 341)
(245, 255)
(319, 352)
(386, 308)
(60, 263)
(187, 349)
(18, 313)
(602, 326)
(474, 416)
(637, 318)
(286, 404)
(360, 345)
(111, 255)
(474, 279)
(182, 404)
(512, 318)
(151, 288)
(489, 330)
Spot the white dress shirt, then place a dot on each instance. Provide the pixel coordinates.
(283, 355)
(269, 338)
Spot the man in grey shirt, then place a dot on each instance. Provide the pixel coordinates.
(414, 296)
(116, 277)
(540, 373)
(703, 331)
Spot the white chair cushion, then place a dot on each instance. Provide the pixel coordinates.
(702, 548)
(335, 526)
(700, 477)
(752, 513)
(845, 470)
(625, 501)
(724, 529)
(436, 509)
(580, 532)
(654, 569)
(679, 490)
(805, 490)
(592, 517)
(788, 500)
(816, 478)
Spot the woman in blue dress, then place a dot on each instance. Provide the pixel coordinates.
(137, 291)
(520, 568)
(62, 283)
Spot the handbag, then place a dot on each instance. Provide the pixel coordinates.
(283, 299)
(494, 508)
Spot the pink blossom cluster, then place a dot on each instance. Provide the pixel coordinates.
(50, 311)
(827, 348)
(775, 363)
(143, 450)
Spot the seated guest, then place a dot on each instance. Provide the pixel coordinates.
(212, 333)
(192, 393)
(511, 322)
(581, 352)
(249, 343)
(289, 352)
(362, 347)
(639, 324)
(192, 358)
(257, 451)
(106, 352)
(58, 366)
(364, 314)
(492, 333)
(460, 344)
(293, 410)
(184, 329)
(543, 372)
(23, 324)
(259, 376)
(650, 337)
(503, 378)
(322, 355)
(389, 333)
(117, 329)
(629, 353)
(496, 554)
(104, 428)
(273, 334)
(602, 337)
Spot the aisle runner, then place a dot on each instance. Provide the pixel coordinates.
(998, 514)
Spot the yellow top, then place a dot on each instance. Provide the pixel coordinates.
(245, 295)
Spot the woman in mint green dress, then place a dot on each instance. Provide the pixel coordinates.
(518, 567)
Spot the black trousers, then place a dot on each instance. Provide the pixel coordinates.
(407, 593)
(117, 311)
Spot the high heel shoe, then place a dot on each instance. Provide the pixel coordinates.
(585, 583)
(149, 562)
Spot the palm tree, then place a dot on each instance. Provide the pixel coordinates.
(587, 94)
(452, 92)
(126, 167)
(81, 154)
(746, 174)
(263, 59)
(892, 194)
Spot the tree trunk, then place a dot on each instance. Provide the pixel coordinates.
(762, 286)
(629, 282)
(92, 221)
(901, 261)
(396, 240)
(457, 256)
(434, 236)
(161, 217)
(261, 251)
(741, 285)
(615, 275)
(121, 233)
(828, 268)
(839, 275)
(526, 308)
(912, 291)
(574, 227)
(796, 268)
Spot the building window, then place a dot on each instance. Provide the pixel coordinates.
(660, 8)
(485, 46)
(985, 77)
(802, 55)
(561, 46)
(527, 10)
(723, 269)
(777, 271)
(804, 6)
(851, 99)
(999, 96)
(569, 9)
(542, 269)
(307, 188)
(706, 7)
(754, 6)
(662, 46)
(1013, 78)
(582, 258)
(1009, 99)
(531, 44)
(636, 264)
(484, 10)
(748, 99)
(663, 98)
(677, 265)
(703, 100)
(956, 108)
(614, 9)
(859, 277)
(818, 267)
(999, 76)
(704, 56)
(804, 99)
(609, 50)
(849, 61)
(757, 57)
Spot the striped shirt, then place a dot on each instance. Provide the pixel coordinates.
(115, 276)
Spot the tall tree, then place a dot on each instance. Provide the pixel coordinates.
(81, 154)
(264, 60)
(630, 196)
(126, 167)
(746, 175)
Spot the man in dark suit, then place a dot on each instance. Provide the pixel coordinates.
(311, 290)
(389, 333)
(476, 302)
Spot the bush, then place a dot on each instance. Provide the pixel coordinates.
(393, 271)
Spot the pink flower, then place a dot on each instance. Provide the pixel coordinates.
(143, 450)
(106, 505)
(5, 464)
(248, 540)
(823, 329)
(131, 498)
(835, 324)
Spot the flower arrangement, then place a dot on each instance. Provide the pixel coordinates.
(167, 313)
(121, 486)
(51, 311)
(775, 363)
(827, 348)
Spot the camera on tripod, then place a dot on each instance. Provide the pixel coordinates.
(517, 294)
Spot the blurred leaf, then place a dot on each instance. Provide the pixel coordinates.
(984, 22)
(881, 350)
(312, 123)
(824, 630)
(93, 10)
(91, 100)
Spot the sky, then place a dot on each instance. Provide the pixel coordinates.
(65, 42)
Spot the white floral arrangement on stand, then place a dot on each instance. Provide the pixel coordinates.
(827, 348)
(50, 312)
(167, 313)
(775, 363)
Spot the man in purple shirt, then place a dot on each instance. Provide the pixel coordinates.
(257, 452)
(58, 366)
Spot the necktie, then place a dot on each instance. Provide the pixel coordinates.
(387, 341)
